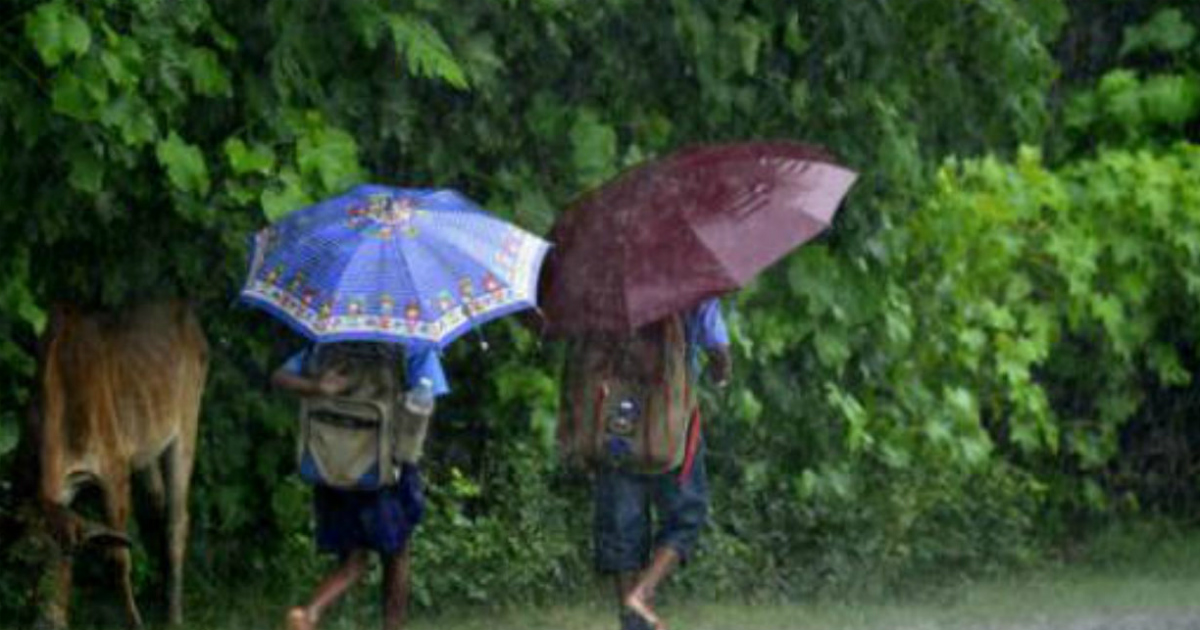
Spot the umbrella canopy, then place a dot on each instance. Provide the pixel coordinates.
(414, 266)
(695, 224)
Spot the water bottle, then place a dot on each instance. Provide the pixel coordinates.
(623, 421)
(419, 399)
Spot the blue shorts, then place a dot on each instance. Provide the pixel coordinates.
(381, 520)
(622, 524)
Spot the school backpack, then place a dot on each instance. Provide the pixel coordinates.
(359, 439)
(628, 403)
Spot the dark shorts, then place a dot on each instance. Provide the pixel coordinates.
(622, 520)
(380, 520)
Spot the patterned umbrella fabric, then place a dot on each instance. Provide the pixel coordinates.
(414, 266)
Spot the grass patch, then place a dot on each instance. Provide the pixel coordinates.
(1146, 569)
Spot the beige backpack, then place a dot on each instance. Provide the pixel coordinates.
(359, 439)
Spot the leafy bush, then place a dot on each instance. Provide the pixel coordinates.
(912, 391)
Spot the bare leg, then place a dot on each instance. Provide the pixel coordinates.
(328, 592)
(395, 590)
(640, 596)
(624, 583)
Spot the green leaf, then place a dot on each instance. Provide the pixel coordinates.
(16, 293)
(1165, 361)
(368, 21)
(331, 155)
(424, 50)
(184, 163)
(69, 97)
(1081, 111)
(87, 171)
(832, 348)
(208, 76)
(937, 430)
(960, 405)
(8, 433)
(286, 195)
(1121, 97)
(133, 116)
(793, 37)
(749, 37)
(1167, 31)
(1024, 434)
(593, 148)
(1108, 309)
(123, 62)
(975, 450)
(1171, 99)
(56, 31)
(534, 210)
(243, 160)
(749, 406)
(855, 415)
(547, 117)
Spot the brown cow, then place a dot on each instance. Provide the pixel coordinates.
(120, 393)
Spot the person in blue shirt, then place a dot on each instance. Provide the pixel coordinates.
(352, 523)
(621, 526)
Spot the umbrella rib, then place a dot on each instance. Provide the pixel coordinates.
(444, 261)
(624, 271)
(403, 261)
(467, 254)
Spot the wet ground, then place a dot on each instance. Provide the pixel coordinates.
(1161, 620)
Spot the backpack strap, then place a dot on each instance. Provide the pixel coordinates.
(693, 444)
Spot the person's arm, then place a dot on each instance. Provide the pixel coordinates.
(425, 363)
(533, 320)
(720, 365)
(290, 377)
(714, 338)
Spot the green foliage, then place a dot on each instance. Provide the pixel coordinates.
(911, 391)
(1086, 266)
(1168, 31)
(57, 31)
(1125, 109)
(184, 164)
(1130, 106)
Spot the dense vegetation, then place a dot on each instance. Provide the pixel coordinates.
(994, 347)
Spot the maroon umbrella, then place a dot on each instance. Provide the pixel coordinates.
(698, 223)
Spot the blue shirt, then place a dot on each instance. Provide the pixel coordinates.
(704, 327)
(422, 363)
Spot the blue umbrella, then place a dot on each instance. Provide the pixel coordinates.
(407, 265)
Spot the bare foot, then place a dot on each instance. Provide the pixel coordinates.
(637, 603)
(297, 619)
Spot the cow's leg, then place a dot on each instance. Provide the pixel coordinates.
(56, 609)
(116, 503)
(152, 479)
(152, 524)
(178, 463)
